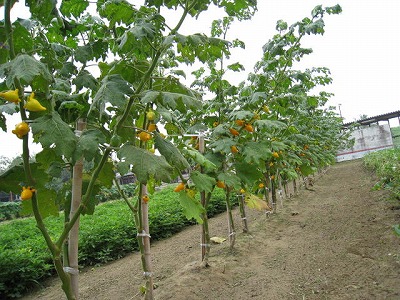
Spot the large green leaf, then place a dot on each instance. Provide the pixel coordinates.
(51, 131)
(24, 42)
(222, 145)
(85, 79)
(257, 152)
(230, 179)
(191, 207)
(270, 124)
(28, 71)
(88, 144)
(73, 7)
(174, 101)
(248, 173)
(170, 152)
(42, 10)
(14, 179)
(306, 169)
(202, 182)
(116, 11)
(114, 90)
(200, 159)
(143, 164)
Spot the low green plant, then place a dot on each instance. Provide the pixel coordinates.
(386, 164)
(107, 235)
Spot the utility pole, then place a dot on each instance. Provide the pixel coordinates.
(340, 112)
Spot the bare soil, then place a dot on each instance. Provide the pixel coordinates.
(332, 241)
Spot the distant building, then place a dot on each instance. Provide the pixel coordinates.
(6, 197)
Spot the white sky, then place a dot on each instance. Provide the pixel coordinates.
(361, 47)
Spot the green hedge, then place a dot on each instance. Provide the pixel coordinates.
(107, 235)
(9, 210)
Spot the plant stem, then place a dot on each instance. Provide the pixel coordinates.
(55, 251)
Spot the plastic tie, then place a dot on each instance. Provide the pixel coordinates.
(73, 271)
(205, 245)
(232, 233)
(144, 234)
(78, 133)
(244, 218)
(147, 274)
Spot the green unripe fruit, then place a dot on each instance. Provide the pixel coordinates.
(115, 141)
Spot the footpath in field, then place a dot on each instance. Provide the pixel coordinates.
(332, 242)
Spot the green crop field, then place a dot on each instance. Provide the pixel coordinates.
(396, 136)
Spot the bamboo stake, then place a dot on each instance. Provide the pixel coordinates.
(145, 234)
(205, 235)
(73, 239)
(231, 225)
(242, 210)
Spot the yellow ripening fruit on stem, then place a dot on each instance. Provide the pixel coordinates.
(234, 149)
(266, 109)
(33, 104)
(234, 131)
(215, 124)
(249, 127)
(144, 136)
(256, 116)
(152, 127)
(272, 177)
(27, 193)
(152, 150)
(21, 129)
(179, 187)
(220, 184)
(275, 154)
(145, 198)
(271, 164)
(11, 96)
(242, 191)
(151, 115)
(261, 185)
(240, 122)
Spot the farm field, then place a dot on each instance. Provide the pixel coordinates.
(332, 241)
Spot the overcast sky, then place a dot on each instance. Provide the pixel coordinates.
(361, 47)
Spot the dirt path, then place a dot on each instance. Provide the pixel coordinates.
(334, 242)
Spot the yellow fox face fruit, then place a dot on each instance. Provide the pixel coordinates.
(27, 193)
(11, 96)
(33, 104)
(21, 129)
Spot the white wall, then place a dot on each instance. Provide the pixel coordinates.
(368, 139)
